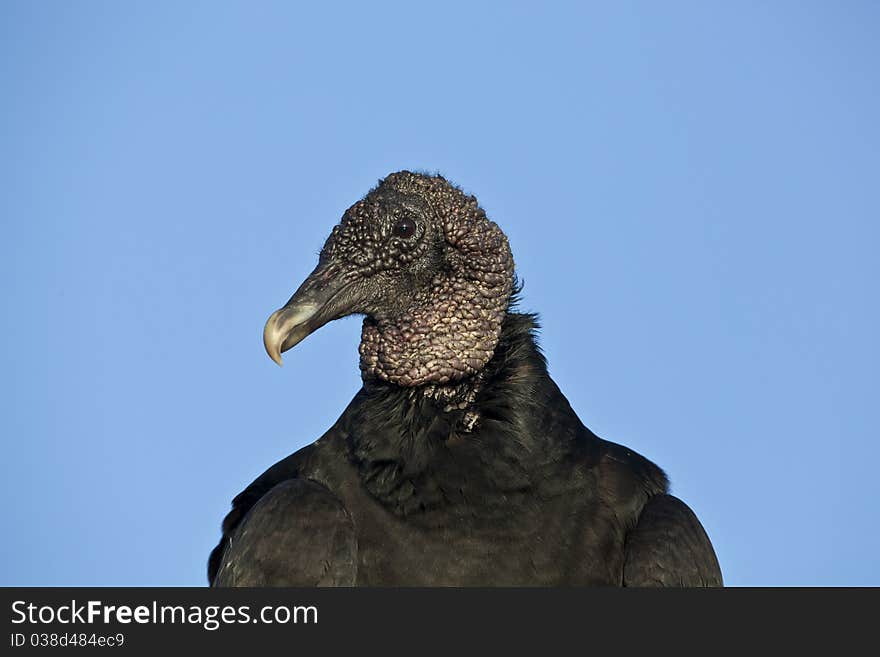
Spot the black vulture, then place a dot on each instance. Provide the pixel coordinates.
(459, 462)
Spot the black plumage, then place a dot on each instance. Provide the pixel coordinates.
(457, 475)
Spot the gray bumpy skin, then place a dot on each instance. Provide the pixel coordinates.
(444, 327)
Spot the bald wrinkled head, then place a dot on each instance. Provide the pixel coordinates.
(431, 273)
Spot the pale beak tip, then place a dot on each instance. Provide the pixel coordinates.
(272, 339)
(286, 327)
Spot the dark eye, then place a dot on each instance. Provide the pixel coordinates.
(405, 228)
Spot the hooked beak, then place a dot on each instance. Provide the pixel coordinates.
(320, 299)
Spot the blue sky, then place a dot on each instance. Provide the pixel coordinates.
(690, 190)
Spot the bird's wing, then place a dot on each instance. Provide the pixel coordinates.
(669, 547)
(297, 534)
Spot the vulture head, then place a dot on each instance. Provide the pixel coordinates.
(431, 274)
